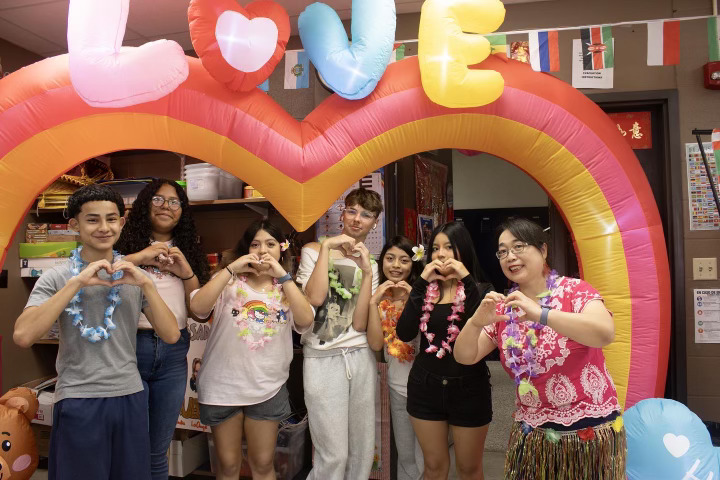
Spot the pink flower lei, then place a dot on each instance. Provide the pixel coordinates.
(517, 349)
(432, 293)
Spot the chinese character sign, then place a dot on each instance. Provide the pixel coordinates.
(635, 127)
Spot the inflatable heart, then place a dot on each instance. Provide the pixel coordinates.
(239, 47)
(352, 71)
(105, 75)
(666, 440)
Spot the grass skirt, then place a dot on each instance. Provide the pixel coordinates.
(548, 455)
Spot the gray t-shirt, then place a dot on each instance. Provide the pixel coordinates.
(107, 368)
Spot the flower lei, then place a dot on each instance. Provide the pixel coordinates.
(432, 293)
(334, 276)
(93, 334)
(516, 349)
(404, 352)
(247, 326)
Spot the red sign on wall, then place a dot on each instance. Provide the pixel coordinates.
(635, 127)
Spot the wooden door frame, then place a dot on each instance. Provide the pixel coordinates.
(668, 101)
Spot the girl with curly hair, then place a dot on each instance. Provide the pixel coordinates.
(160, 237)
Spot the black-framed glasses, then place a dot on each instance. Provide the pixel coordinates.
(173, 203)
(516, 249)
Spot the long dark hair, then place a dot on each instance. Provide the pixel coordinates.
(243, 245)
(403, 244)
(462, 246)
(137, 232)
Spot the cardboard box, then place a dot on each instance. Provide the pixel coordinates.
(42, 438)
(187, 453)
(62, 238)
(50, 249)
(43, 263)
(36, 226)
(44, 388)
(31, 272)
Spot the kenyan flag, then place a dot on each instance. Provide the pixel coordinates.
(597, 45)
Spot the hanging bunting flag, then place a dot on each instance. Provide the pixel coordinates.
(265, 86)
(597, 46)
(520, 51)
(398, 53)
(714, 39)
(297, 69)
(498, 44)
(715, 139)
(544, 50)
(663, 45)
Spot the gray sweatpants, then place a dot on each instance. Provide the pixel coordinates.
(410, 458)
(340, 399)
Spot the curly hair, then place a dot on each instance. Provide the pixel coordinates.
(138, 229)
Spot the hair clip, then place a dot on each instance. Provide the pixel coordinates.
(419, 253)
(284, 245)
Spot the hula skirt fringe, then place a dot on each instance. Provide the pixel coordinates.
(537, 456)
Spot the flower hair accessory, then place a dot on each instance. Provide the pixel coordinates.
(284, 245)
(419, 253)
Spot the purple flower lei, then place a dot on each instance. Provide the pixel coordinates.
(517, 349)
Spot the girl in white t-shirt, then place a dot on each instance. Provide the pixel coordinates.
(241, 385)
(400, 268)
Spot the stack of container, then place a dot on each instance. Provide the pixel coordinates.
(208, 182)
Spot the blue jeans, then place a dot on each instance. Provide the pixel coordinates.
(163, 368)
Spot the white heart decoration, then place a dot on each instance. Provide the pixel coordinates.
(245, 44)
(676, 445)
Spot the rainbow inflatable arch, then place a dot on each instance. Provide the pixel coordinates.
(540, 124)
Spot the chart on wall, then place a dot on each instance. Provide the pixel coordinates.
(189, 417)
(330, 224)
(703, 211)
(707, 315)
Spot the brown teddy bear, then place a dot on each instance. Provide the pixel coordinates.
(18, 452)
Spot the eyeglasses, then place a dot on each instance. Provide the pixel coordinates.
(516, 249)
(365, 215)
(159, 201)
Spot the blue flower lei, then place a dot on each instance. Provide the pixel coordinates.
(93, 334)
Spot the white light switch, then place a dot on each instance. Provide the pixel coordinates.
(705, 269)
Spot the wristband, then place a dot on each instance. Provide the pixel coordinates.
(188, 278)
(284, 278)
(230, 271)
(544, 314)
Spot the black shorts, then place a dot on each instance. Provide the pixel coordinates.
(460, 401)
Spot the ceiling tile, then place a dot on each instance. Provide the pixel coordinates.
(153, 18)
(47, 20)
(8, 4)
(25, 39)
(183, 38)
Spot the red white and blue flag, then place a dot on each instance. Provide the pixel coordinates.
(544, 50)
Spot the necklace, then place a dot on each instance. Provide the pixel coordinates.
(258, 321)
(432, 293)
(518, 349)
(93, 334)
(404, 352)
(334, 277)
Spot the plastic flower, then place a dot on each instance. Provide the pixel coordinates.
(618, 424)
(419, 253)
(284, 245)
(552, 435)
(586, 434)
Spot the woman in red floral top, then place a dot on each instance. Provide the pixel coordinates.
(550, 331)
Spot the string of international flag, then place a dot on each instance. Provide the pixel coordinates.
(542, 50)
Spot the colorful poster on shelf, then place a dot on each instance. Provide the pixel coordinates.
(189, 417)
(330, 224)
(707, 315)
(703, 211)
(431, 189)
(635, 127)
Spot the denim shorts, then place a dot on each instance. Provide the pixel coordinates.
(461, 401)
(274, 409)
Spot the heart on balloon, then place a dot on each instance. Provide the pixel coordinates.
(239, 47)
(677, 445)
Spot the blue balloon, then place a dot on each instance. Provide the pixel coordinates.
(352, 71)
(666, 440)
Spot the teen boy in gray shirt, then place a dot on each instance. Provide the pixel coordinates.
(100, 425)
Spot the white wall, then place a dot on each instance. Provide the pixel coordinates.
(486, 181)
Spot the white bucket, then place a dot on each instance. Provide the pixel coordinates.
(202, 186)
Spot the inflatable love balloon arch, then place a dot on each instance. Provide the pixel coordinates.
(539, 123)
